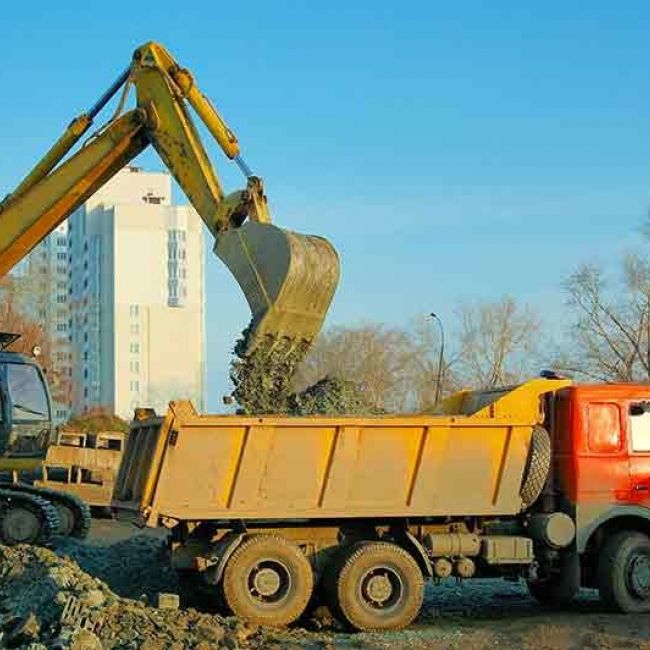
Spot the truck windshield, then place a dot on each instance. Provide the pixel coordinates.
(27, 392)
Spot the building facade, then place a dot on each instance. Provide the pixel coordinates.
(134, 282)
(45, 299)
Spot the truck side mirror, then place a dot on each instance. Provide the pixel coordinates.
(639, 408)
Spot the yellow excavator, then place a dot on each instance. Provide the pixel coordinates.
(288, 279)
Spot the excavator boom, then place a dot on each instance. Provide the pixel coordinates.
(289, 279)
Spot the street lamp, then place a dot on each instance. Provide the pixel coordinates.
(441, 356)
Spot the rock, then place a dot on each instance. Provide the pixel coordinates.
(93, 598)
(24, 631)
(231, 643)
(211, 632)
(168, 601)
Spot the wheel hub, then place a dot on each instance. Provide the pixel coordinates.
(20, 526)
(381, 588)
(639, 576)
(266, 582)
(269, 581)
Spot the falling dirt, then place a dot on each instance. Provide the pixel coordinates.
(264, 382)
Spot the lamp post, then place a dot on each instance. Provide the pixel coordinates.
(441, 356)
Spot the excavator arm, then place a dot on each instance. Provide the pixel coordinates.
(288, 279)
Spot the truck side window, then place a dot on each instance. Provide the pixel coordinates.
(640, 426)
(603, 428)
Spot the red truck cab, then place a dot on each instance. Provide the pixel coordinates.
(601, 441)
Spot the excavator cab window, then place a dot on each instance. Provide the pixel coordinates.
(27, 393)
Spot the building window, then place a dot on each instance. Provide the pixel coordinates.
(134, 366)
(134, 310)
(135, 328)
(135, 348)
(176, 268)
(134, 385)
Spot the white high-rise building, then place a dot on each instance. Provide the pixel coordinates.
(45, 299)
(136, 296)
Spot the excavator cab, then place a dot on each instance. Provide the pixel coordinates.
(26, 425)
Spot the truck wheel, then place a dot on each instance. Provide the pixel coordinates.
(267, 581)
(537, 466)
(624, 572)
(375, 586)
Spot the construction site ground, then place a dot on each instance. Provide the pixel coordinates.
(114, 577)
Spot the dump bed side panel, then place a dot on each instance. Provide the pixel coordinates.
(191, 467)
(469, 459)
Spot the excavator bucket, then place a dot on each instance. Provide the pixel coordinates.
(288, 279)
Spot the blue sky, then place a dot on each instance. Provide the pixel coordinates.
(450, 151)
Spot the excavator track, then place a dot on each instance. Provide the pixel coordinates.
(73, 514)
(26, 518)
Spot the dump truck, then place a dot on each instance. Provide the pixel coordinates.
(546, 481)
(287, 278)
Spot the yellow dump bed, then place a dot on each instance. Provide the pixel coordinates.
(468, 460)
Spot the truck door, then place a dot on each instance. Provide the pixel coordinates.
(638, 423)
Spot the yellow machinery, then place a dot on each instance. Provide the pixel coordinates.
(267, 509)
(288, 279)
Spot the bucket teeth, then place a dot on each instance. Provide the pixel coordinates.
(288, 279)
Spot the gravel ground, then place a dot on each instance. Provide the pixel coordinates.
(120, 570)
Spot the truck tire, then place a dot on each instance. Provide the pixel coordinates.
(267, 581)
(537, 466)
(624, 572)
(374, 586)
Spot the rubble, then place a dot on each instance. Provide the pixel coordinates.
(332, 396)
(47, 601)
(263, 381)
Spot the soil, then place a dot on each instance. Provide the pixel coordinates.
(102, 594)
(263, 381)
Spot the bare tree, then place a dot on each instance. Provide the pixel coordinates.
(610, 333)
(13, 321)
(496, 343)
(377, 358)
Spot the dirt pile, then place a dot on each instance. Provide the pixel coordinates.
(47, 601)
(263, 381)
(332, 396)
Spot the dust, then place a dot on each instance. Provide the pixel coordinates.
(263, 380)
